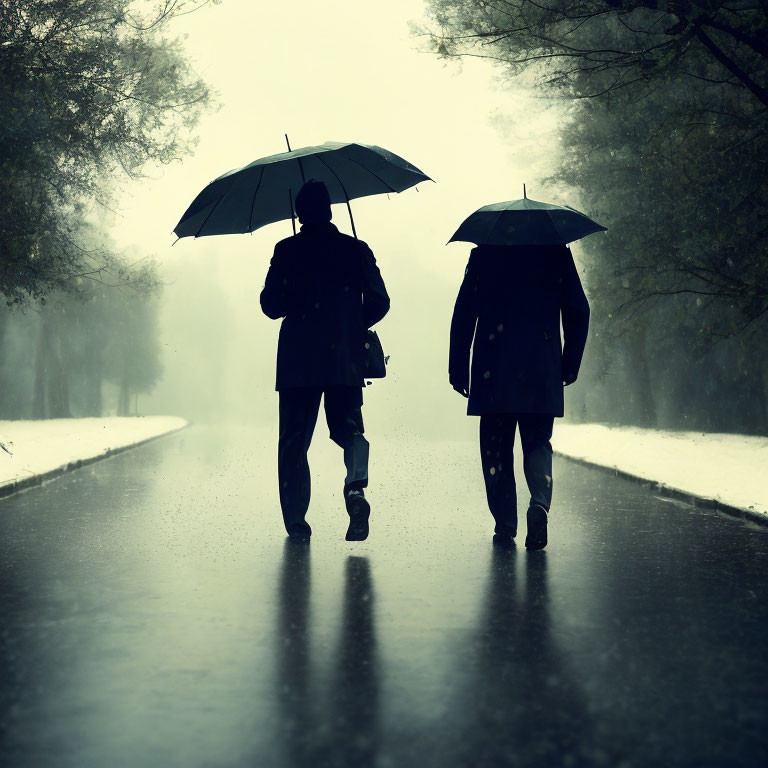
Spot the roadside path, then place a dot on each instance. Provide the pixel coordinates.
(724, 471)
(34, 451)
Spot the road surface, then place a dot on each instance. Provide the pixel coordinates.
(155, 615)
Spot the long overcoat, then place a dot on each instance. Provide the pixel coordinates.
(508, 313)
(328, 289)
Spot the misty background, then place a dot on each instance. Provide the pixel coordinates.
(177, 329)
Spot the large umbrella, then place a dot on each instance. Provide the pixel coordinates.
(525, 222)
(263, 191)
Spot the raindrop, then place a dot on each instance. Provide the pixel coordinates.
(500, 327)
(487, 375)
(492, 337)
(493, 470)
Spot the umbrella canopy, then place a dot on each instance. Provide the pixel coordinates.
(263, 191)
(525, 222)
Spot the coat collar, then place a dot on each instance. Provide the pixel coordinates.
(317, 227)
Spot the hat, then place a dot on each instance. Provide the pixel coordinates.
(313, 203)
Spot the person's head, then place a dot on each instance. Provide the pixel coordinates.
(313, 203)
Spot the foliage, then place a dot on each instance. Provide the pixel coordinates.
(87, 87)
(595, 47)
(671, 117)
(666, 143)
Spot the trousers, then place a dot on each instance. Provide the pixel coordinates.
(299, 407)
(497, 441)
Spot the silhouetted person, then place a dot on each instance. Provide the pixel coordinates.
(511, 304)
(328, 289)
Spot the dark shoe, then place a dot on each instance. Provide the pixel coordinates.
(300, 532)
(359, 510)
(537, 527)
(503, 540)
(508, 530)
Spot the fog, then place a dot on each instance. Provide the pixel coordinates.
(339, 71)
(677, 290)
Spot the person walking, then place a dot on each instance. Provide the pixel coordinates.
(328, 289)
(508, 315)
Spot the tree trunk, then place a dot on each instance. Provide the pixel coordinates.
(761, 400)
(124, 399)
(97, 399)
(39, 410)
(58, 381)
(3, 386)
(641, 391)
(94, 403)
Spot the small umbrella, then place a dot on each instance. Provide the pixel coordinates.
(525, 222)
(263, 192)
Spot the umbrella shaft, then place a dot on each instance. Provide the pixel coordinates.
(293, 213)
(351, 220)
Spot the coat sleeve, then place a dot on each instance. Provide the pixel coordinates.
(575, 313)
(463, 323)
(274, 296)
(375, 297)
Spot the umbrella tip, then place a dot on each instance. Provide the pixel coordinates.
(525, 196)
(287, 142)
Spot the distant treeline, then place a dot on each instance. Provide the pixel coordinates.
(666, 143)
(660, 374)
(74, 357)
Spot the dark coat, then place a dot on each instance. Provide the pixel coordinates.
(511, 303)
(329, 290)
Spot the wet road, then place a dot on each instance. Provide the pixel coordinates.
(154, 615)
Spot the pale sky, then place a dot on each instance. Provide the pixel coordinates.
(346, 70)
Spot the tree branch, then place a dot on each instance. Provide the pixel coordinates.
(732, 66)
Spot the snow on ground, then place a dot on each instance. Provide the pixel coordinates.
(727, 468)
(31, 448)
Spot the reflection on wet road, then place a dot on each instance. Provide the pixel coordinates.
(154, 615)
(336, 723)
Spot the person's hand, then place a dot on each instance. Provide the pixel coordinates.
(568, 378)
(460, 385)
